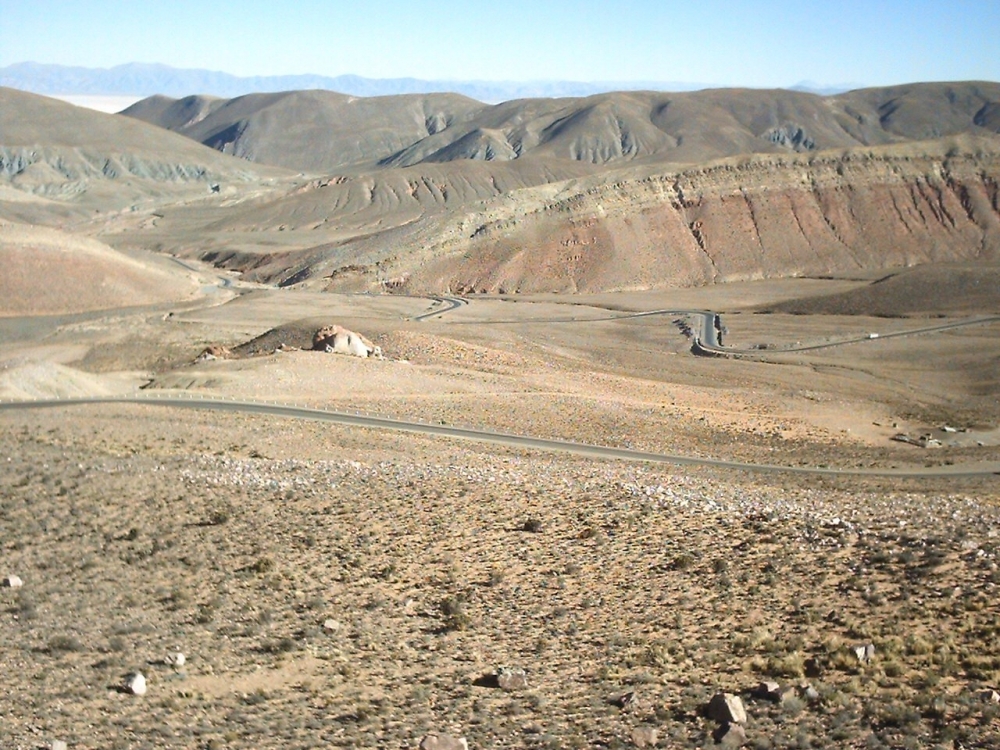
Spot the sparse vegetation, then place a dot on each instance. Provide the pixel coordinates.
(343, 587)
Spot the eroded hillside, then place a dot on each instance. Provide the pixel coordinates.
(322, 131)
(442, 194)
(644, 228)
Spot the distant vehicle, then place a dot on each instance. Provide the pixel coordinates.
(873, 335)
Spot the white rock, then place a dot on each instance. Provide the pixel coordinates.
(727, 708)
(443, 742)
(645, 737)
(58, 745)
(175, 659)
(135, 683)
(12, 582)
(769, 691)
(865, 652)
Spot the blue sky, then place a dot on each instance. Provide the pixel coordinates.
(756, 44)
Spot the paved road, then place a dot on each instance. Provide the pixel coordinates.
(707, 340)
(453, 304)
(709, 344)
(224, 281)
(496, 438)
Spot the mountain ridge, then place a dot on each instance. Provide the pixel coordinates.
(148, 79)
(320, 131)
(579, 195)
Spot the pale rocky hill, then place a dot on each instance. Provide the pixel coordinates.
(47, 272)
(52, 149)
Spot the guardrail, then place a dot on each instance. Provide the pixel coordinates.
(359, 419)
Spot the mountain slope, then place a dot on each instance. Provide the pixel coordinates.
(641, 227)
(312, 131)
(52, 149)
(49, 272)
(537, 195)
(318, 131)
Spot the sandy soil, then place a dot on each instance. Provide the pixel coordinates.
(346, 587)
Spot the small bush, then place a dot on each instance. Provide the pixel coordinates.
(262, 565)
(64, 643)
(533, 524)
(278, 645)
(683, 561)
(496, 577)
(789, 665)
(455, 616)
(220, 513)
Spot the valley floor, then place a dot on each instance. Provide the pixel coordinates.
(339, 586)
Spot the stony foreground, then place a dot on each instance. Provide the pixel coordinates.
(343, 588)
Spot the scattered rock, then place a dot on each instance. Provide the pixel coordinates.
(645, 736)
(864, 652)
(331, 626)
(768, 691)
(989, 696)
(730, 735)
(135, 684)
(443, 742)
(727, 708)
(212, 353)
(808, 693)
(175, 659)
(58, 745)
(12, 582)
(511, 678)
(624, 700)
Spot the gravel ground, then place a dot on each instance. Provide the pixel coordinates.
(347, 588)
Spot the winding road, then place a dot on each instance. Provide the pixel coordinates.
(453, 304)
(705, 343)
(498, 438)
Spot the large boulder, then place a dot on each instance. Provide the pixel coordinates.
(336, 339)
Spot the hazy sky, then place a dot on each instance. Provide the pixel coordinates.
(757, 44)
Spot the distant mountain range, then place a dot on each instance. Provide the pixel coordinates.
(142, 79)
(442, 194)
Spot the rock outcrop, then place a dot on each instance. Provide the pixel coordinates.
(759, 217)
(336, 339)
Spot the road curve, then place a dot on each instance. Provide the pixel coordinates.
(453, 304)
(707, 341)
(709, 345)
(497, 438)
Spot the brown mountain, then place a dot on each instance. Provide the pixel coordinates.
(541, 195)
(740, 218)
(312, 131)
(318, 131)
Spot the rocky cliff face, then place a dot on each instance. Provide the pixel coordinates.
(735, 220)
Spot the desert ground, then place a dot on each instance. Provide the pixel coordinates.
(805, 518)
(351, 587)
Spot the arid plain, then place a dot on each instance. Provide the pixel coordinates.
(346, 586)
